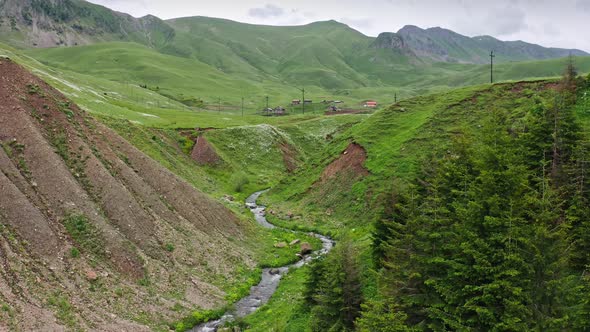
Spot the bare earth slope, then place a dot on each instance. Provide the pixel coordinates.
(93, 233)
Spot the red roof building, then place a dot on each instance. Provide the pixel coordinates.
(370, 103)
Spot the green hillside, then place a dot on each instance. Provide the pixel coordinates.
(325, 72)
(422, 163)
(35, 23)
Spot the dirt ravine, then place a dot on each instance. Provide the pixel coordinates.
(204, 153)
(91, 226)
(351, 161)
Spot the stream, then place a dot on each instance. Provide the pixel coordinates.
(261, 293)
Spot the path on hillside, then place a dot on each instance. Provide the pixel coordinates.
(261, 293)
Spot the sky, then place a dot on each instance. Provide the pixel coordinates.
(551, 23)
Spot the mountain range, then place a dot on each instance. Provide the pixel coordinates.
(40, 23)
(244, 59)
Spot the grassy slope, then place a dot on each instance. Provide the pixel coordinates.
(124, 100)
(213, 58)
(255, 151)
(396, 139)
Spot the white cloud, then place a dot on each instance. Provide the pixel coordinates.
(358, 23)
(268, 11)
(506, 21)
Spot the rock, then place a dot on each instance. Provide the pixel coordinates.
(329, 212)
(294, 242)
(281, 245)
(91, 275)
(305, 249)
(274, 271)
(290, 214)
(228, 198)
(298, 255)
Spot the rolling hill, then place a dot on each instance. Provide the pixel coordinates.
(209, 58)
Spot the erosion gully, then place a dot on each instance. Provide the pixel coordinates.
(261, 293)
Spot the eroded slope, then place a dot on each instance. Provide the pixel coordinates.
(93, 233)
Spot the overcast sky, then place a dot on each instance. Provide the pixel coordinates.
(557, 23)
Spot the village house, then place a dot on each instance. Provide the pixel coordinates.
(370, 104)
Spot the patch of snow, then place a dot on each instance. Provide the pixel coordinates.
(149, 115)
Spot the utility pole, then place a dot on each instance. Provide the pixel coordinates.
(267, 102)
(242, 106)
(492, 56)
(303, 100)
(395, 97)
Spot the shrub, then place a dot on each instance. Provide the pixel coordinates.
(74, 252)
(239, 180)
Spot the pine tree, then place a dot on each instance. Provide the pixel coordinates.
(334, 290)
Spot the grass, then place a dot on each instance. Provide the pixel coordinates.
(106, 78)
(64, 310)
(84, 234)
(196, 318)
(396, 140)
(285, 309)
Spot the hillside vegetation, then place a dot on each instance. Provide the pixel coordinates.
(474, 222)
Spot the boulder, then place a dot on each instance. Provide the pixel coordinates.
(91, 275)
(281, 245)
(274, 271)
(294, 242)
(305, 248)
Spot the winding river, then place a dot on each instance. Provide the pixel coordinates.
(261, 293)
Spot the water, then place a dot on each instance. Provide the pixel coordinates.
(261, 293)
